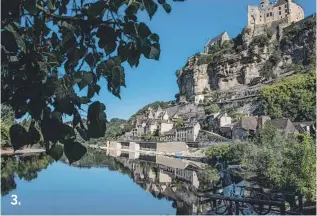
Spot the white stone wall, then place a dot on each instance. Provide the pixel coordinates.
(164, 127)
(225, 120)
(199, 99)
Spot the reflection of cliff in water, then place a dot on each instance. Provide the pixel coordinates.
(23, 166)
(163, 177)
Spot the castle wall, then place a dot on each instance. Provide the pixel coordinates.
(272, 13)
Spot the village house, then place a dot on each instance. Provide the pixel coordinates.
(284, 125)
(188, 133)
(244, 127)
(269, 12)
(216, 40)
(168, 136)
(305, 127)
(248, 126)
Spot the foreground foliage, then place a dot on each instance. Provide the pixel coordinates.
(51, 48)
(279, 161)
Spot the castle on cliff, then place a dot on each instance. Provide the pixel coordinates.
(268, 12)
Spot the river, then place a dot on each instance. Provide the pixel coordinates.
(100, 184)
(104, 182)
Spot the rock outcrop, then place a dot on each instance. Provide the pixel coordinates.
(258, 56)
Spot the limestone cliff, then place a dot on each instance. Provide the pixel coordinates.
(258, 56)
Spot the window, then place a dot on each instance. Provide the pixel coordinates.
(286, 11)
(285, 6)
(280, 13)
(267, 15)
(271, 14)
(279, 8)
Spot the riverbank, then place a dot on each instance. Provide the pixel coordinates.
(10, 151)
(196, 155)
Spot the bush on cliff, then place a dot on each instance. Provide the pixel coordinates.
(293, 98)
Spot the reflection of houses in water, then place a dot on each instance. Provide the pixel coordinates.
(184, 174)
(166, 177)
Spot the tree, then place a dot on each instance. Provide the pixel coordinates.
(212, 108)
(179, 122)
(48, 47)
(293, 98)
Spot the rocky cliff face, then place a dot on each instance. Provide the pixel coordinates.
(259, 55)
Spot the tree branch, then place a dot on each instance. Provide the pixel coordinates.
(69, 18)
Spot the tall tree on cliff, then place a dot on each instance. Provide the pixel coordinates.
(49, 47)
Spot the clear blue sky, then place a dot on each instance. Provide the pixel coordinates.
(183, 32)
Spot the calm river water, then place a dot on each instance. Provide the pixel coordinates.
(103, 183)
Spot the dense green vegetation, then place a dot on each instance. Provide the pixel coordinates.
(279, 161)
(293, 98)
(7, 120)
(116, 127)
(211, 108)
(153, 105)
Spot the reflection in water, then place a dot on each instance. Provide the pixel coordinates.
(163, 177)
(24, 166)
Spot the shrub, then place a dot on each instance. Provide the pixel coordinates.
(260, 40)
(293, 98)
(212, 108)
(204, 59)
(218, 151)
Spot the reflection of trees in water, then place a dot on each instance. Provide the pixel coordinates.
(25, 167)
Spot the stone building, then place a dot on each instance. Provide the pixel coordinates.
(168, 136)
(284, 125)
(269, 12)
(216, 40)
(188, 133)
(245, 127)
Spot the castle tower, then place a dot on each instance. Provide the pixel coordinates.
(289, 6)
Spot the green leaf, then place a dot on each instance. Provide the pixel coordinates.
(144, 30)
(155, 37)
(20, 42)
(84, 100)
(167, 8)
(97, 9)
(150, 6)
(92, 89)
(110, 47)
(96, 120)
(56, 152)
(129, 28)
(74, 151)
(51, 4)
(34, 134)
(30, 6)
(76, 118)
(18, 136)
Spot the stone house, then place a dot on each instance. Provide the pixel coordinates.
(285, 125)
(216, 40)
(245, 127)
(305, 127)
(188, 133)
(168, 136)
(269, 12)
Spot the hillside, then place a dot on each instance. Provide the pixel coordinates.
(233, 73)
